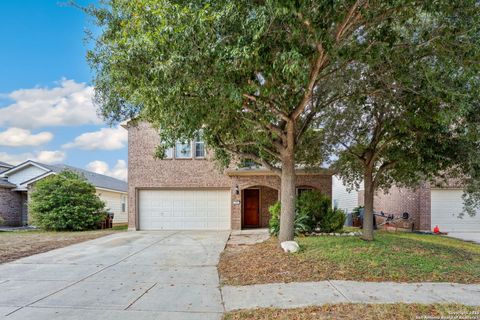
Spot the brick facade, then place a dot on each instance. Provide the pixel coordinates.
(147, 172)
(10, 207)
(398, 200)
(270, 183)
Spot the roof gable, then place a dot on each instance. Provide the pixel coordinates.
(30, 171)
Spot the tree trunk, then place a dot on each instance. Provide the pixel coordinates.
(287, 213)
(368, 198)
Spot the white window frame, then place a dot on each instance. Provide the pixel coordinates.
(170, 150)
(196, 143)
(191, 150)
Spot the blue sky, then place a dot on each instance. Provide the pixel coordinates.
(46, 113)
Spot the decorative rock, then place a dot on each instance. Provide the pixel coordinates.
(331, 234)
(337, 234)
(290, 246)
(351, 234)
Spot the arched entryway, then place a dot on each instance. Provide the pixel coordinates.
(255, 203)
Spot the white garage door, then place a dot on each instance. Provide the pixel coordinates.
(184, 209)
(446, 205)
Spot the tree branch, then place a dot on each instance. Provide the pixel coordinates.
(349, 150)
(352, 17)
(312, 80)
(270, 107)
(384, 167)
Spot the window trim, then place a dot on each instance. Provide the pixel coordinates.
(302, 188)
(183, 158)
(172, 156)
(204, 151)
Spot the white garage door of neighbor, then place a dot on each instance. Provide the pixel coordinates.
(446, 204)
(184, 209)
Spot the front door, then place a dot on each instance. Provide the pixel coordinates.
(251, 207)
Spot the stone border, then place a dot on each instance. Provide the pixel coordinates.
(335, 234)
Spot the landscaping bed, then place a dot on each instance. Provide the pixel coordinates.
(18, 244)
(399, 257)
(361, 311)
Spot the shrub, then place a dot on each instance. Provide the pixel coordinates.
(274, 223)
(314, 205)
(313, 209)
(300, 225)
(332, 221)
(66, 202)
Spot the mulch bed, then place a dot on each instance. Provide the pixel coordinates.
(265, 263)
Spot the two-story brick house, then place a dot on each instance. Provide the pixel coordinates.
(186, 190)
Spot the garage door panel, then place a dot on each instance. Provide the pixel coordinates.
(446, 209)
(184, 209)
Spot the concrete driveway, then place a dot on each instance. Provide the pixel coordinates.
(467, 236)
(132, 275)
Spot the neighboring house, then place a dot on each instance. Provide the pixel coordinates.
(4, 166)
(17, 182)
(187, 191)
(429, 205)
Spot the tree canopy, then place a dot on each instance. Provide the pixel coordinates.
(253, 75)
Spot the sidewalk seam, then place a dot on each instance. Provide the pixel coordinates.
(338, 290)
(90, 275)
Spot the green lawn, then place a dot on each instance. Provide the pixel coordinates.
(398, 311)
(401, 257)
(398, 256)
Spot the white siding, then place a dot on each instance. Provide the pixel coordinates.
(341, 197)
(113, 201)
(446, 205)
(25, 174)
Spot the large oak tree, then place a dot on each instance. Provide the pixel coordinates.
(252, 74)
(417, 119)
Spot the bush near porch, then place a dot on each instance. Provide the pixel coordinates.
(313, 210)
(399, 257)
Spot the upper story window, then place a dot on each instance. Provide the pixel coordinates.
(199, 147)
(183, 150)
(169, 153)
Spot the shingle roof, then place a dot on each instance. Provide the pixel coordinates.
(4, 164)
(98, 180)
(6, 184)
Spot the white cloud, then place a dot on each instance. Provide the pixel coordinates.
(70, 103)
(119, 171)
(51, 156)
(47, 157)
(17, 137)
(104, 139)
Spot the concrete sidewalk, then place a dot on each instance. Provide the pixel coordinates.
(302, 294)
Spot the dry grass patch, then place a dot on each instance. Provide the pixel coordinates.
(20, 244)
(400, 257)
(361, 311)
